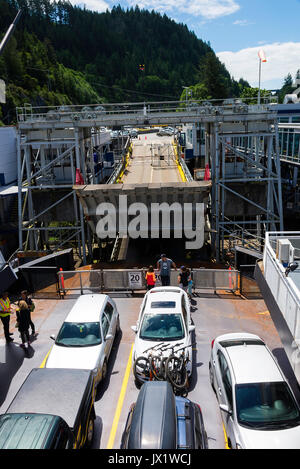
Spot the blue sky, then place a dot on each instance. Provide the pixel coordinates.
(236, 29)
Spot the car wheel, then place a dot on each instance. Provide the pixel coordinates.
(90, 433)
(118, 327)
(104, 370)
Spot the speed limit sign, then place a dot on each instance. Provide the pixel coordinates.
(135, 280)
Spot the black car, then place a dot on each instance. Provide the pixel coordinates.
(161, 420)
(53, 409)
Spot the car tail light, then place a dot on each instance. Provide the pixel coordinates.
(212, 343)
(199, 408)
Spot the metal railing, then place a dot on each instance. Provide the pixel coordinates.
(75, 113)
(131, 280)
(283, 288)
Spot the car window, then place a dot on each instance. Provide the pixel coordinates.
(184, 312)
(75, 334)
(267, 406)
(162, 327)
(226, 377)
(228, 385)
(109, 309)
(105, 325)
(163, 304)
(222, 362)
(198, 429)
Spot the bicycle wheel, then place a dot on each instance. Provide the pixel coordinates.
(141, 369)
(157, 368)
(176, 372)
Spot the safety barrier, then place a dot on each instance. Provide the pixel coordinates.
(131, 280)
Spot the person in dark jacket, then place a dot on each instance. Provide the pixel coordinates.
(23, 318)
(184, 278)
(25, 297)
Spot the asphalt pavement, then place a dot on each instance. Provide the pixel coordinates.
(212, 315)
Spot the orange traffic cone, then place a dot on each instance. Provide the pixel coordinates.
(62, 282)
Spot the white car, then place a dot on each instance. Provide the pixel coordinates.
(258, 407)
(164, 317)
(86, 337)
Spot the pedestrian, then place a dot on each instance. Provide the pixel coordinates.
(23, 321)
(190, 285)
(31, 307)
(184, 277)
(150, 278)
(5, 313)
(164, 265)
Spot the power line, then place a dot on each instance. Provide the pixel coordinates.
(132, 91)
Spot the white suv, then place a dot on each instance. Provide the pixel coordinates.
(164, 318)
(258, 407)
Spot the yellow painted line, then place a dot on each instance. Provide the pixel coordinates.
(120, 403)
(45, 359)
(225, 437)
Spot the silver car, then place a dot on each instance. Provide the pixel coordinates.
(258, 407)
(86, 336)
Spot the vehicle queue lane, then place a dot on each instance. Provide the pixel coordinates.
(212, 315)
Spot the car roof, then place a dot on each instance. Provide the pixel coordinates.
(26, 431)
(87, 308)
(153, 423)
(164, 294)
(253, 363)
(55, 391)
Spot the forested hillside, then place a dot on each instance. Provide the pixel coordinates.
(62, 54)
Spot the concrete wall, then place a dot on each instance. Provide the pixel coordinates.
(8, 155)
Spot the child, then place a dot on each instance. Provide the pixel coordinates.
(23, 318)
(150, 278)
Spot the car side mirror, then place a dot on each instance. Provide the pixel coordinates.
(192, 328)
(134, 328)
(53, 337)
(226, 409)
(109, 337)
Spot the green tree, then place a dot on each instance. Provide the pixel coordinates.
(251, 95)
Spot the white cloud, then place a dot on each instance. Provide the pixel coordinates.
(242, 23)
(209, 9)
(94, 5)
(282, 58)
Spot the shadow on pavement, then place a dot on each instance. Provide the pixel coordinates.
(285, 366)
(13, 358)
(103, 386)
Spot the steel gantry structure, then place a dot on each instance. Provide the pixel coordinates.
(55, 144)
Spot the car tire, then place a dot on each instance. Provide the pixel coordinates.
(118, 327)
(90, 433)
(104, 370)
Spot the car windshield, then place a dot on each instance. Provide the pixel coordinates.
(162, 327)
(266, 405)
(75, 334)
(163, 304)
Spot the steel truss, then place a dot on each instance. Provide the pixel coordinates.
(47, 167)
(246, 199)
